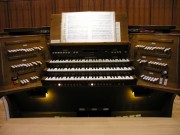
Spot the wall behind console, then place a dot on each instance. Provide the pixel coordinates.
(35, 13)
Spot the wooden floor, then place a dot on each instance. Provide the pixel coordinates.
(91, 126)
(2, 112)
(176, 107)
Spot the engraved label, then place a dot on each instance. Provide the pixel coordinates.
(55, 41)
(159, 59)
(23, 60)
(144, 57)
(151, 73)
(24, 45)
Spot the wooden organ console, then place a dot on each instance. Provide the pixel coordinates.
(147, 65)
(90, 65)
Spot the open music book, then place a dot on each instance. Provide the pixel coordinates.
(89, 27)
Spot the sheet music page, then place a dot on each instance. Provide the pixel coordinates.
(88, 27)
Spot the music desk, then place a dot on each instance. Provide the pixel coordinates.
(91, 126)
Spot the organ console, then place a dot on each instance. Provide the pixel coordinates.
(91, 65)
(155, 57)
(88, 64)
(148, 65)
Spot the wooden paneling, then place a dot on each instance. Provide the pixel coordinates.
(107, 5)
(176, 13)
(139, 12)
(121, 6)
(19, 13)
(161, 12)
(67, 6)
(41, 12)
(95, 5)
(59, 6)
(3, 16)
(34, 13)
(83, 5)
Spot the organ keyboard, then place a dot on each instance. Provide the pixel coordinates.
(90, 61)
(89, 65)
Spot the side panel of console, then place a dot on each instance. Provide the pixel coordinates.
(22, 61)
(156, 60)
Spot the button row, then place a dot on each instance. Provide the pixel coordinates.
(26, 66)
(24, 81)
(149, 78)
(151, 48)
(152, 63)
(34, 78)
(24, 51)
(157, 63)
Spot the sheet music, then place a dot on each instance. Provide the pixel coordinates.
(88, 27)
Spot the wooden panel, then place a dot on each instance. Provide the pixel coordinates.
(67, 6)
(107, 5)
(55, 29)
(3, 16)
(19, 14)
(121, 6)
(176, 9)
(170, 58)
(122, 17)
(161, 13)
(95, 5)
(59, 6)
(83, 5)
(74, 5)
(25, 13)
(41, 12)
(112, 5)
(130, 12)
(139, 12)
(8, 84)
